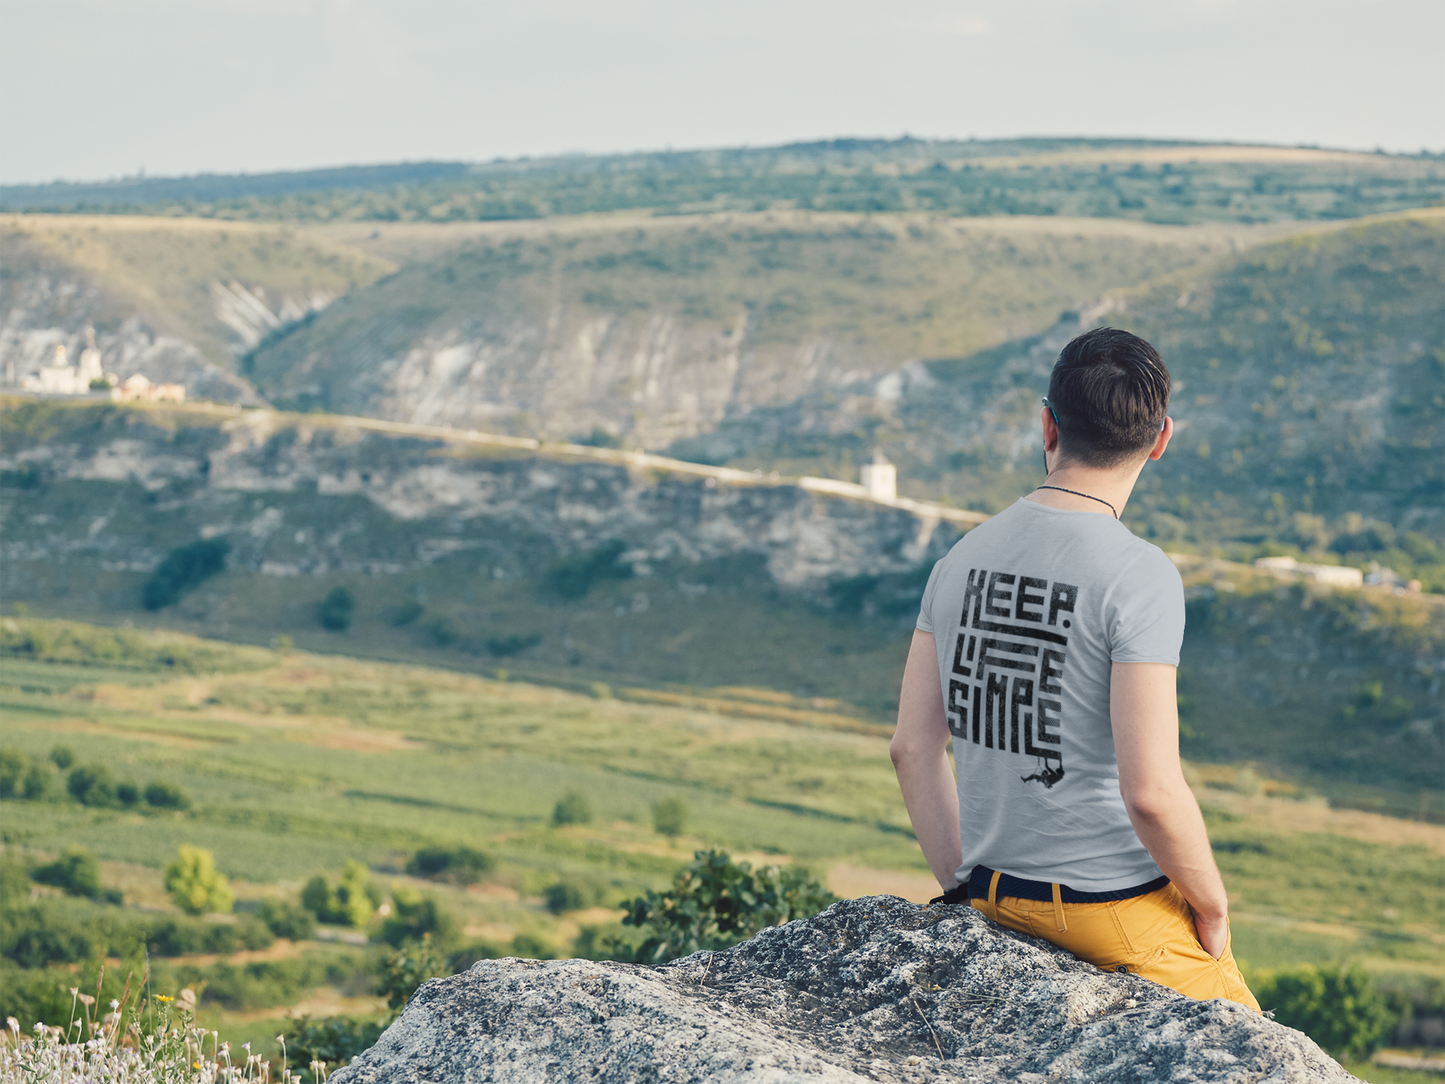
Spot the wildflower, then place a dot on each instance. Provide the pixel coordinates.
(87, 1000)
(114, 1004)
(162, 997)
(74, 990)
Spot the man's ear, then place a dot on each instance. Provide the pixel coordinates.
(1163, 441)
(1051, 430)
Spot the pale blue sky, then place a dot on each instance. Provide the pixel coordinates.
(102, 88)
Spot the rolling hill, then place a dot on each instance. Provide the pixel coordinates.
(176, 299)
(1308, 400)
(651, 331)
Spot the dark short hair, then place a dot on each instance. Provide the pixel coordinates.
(1109, 391)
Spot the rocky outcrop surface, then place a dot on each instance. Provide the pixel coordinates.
(871, 989)
(300, 496)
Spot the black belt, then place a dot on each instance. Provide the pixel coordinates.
(976, 887)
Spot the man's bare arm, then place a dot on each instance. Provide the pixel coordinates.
(1144, 711)
(920, 757)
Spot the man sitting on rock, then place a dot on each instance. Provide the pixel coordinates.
(1046, 650)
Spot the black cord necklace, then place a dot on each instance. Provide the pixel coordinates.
(1076, 493)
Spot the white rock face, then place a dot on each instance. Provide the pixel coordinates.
(876, 989)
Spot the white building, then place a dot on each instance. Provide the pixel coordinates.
(59, 377)
(879, 478)
(1333, 575)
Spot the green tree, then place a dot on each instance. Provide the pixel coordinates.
(334, 611)
(715, 903)
(62, 757)
(195, 884)
(166, 796)
(406, 968)
(184, 569)
(572, 808)
(13, 766)
(350, 902)
(415, 917)
(1338, 1008)
(92, 784)
(460, 865)
(39, 783)
(77, 871)
(669, 816)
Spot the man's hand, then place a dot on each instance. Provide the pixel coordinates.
(920, 757)
(1213, 933)
(1144, 711)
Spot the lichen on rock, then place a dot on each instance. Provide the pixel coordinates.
(871, 989)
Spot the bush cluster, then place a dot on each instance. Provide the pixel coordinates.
(572, 808)
(714, 903)
(184, 569)
(1339, 1008)
(351, 901)
(460, 865)
(89, 784)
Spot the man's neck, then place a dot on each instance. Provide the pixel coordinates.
(1098, 487)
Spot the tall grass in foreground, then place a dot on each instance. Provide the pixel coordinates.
(148, 1041)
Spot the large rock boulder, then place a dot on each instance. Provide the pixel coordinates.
(872, 989)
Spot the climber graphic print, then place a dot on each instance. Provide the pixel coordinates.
(1005, 687)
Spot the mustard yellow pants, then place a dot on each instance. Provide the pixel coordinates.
(1152, 936)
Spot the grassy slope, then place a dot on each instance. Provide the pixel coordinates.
(299, 761)
(1308, 384)
(694, 628)
(164, 268)
(883, 289)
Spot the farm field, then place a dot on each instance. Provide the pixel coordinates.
(295, 763)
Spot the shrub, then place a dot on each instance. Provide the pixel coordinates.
(195, 884)
(13, 766)
(570, 896)
(39, 784)
(460, 865)
(127, 794)
(669, 816)
(405, 969)
(572, 808)
(92, 784)
(77, 872)
(1339, 1009)
(715, 902)
(350, 902)
(183, 570)
(415, 917)
(168, 936)
(166, 796)
(572, 577)
(334, 1040)
(286, 919)
(62, 757)
(334, 611)
(36, 936)
(502, 647)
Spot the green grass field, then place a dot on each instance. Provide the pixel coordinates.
(298, 762)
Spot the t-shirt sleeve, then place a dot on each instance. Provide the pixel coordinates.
(1146, 611)
(925, 610)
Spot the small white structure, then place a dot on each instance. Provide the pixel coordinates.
(90, 367)
(57, 378)
(879, 478)
(1331, 575)
(136, 388)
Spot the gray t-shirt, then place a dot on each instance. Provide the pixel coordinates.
(1028, 612)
